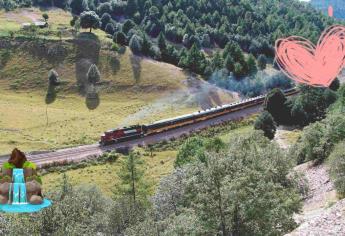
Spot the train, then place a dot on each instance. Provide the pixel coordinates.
(137, 131)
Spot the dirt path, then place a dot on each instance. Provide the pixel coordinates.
(286, 136)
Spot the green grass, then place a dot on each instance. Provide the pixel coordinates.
(59, 20)
(105, 175)
(133, 90)
(235, 133)
(158, 166)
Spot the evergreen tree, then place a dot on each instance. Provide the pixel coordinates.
(131, 178)
(89, 19)
(262, 61)
(109, 29)
(77, 6)
(335, 84)
(251, 63)
(135, 44)
(266, 123)
(132, 7)
(229, 63)
(128, 25)
(119, 38)
(106, 18)
(93, 75)
(195, 60)
(162, 42)
(53, 78)
(146, 46)
(275, 104)
(217, 62)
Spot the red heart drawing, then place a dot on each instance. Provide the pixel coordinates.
(306, 63)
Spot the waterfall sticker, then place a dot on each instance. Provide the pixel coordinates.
(20, 186)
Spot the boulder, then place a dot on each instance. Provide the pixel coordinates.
(7, 172)
(34, 199)
(4, 188)
(17, 158)
(29, 172)
(3, 199)
(33, 188)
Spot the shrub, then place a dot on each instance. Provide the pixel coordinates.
(30, 165)
(337, 167)
(8, 165)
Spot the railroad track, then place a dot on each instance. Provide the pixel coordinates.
(84, 152)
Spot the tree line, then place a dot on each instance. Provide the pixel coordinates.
(175, 31)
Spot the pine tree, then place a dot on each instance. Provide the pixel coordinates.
(131, 177)
(93, 75)
(217, 61)
(251, 64)
(262, 61)
(162, 42)
(135, 44)
(195, 60)
(266, 123)
(229, 63)
(132, 7)
(146, 46)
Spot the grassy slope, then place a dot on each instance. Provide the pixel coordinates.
(133, 90)
(159, 165)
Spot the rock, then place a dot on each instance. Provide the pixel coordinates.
(17, 158)
(4, 188)
(7, 172)
(34, 199)
(29, 172)
(33, 188)
(3, 199)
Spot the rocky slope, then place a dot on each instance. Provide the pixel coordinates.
(322, 213)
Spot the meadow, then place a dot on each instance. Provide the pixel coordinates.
(132, 90)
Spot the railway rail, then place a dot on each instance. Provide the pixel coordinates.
(155, 132)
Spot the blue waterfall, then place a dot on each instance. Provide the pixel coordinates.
(19, 188)
(17, 193)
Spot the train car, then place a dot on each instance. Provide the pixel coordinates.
(134, 132)
(122, 134)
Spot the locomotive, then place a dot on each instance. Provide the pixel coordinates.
(137, 131)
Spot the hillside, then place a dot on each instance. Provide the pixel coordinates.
(132, 90)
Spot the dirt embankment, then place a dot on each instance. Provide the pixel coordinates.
(322, 213)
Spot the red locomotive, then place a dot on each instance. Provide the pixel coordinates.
(122, 134)
(137, 131)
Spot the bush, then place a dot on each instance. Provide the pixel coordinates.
(8, 166)
(337, 167)
(30, 165)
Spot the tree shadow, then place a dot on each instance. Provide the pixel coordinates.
(136, 67)
(51, 95)
(114, 64)
(50, 99)
(92, 99)
(88, 48)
